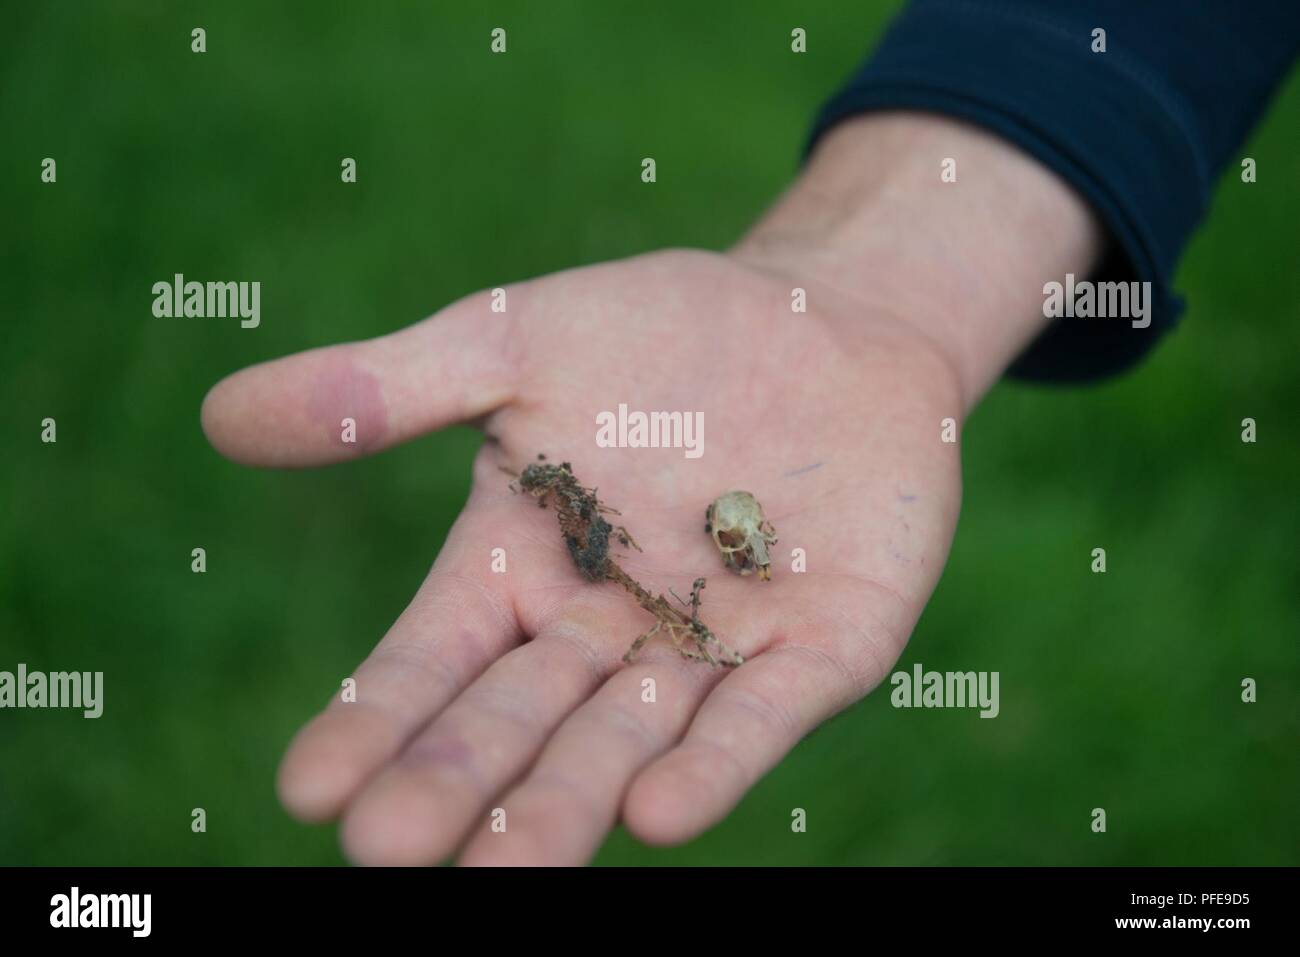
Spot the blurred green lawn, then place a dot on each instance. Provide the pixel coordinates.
(1118, 691)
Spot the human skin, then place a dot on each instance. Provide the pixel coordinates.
(507, 690)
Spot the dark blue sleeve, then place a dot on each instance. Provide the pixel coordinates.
(1141, 130)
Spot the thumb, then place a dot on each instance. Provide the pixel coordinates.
(344, 401)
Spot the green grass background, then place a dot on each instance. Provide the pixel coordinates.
(1118, 691)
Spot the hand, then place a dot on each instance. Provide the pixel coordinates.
(507, 690)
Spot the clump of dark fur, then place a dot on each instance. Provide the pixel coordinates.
(591, 557)
(586, 534)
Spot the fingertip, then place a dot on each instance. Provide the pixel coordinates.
(239, 421)
(211, 415)
(662, 807)
(391, 825)
(306, 793)
(305, 803)
(328, 761)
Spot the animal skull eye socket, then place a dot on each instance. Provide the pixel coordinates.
(731, 539)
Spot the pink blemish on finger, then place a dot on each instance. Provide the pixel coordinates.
(444, 751)
(344, 390)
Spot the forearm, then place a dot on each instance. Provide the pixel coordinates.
(964, 261)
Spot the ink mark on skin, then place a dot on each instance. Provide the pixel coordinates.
(806, 468)
(343, 390)
(906, 498)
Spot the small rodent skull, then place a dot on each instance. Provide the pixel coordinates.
(742, 534)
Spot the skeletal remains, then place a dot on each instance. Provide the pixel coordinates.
(742, 534)
(587, 534)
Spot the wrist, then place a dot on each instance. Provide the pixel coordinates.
(962, 262)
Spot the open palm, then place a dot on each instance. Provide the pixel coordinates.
(506, 689)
